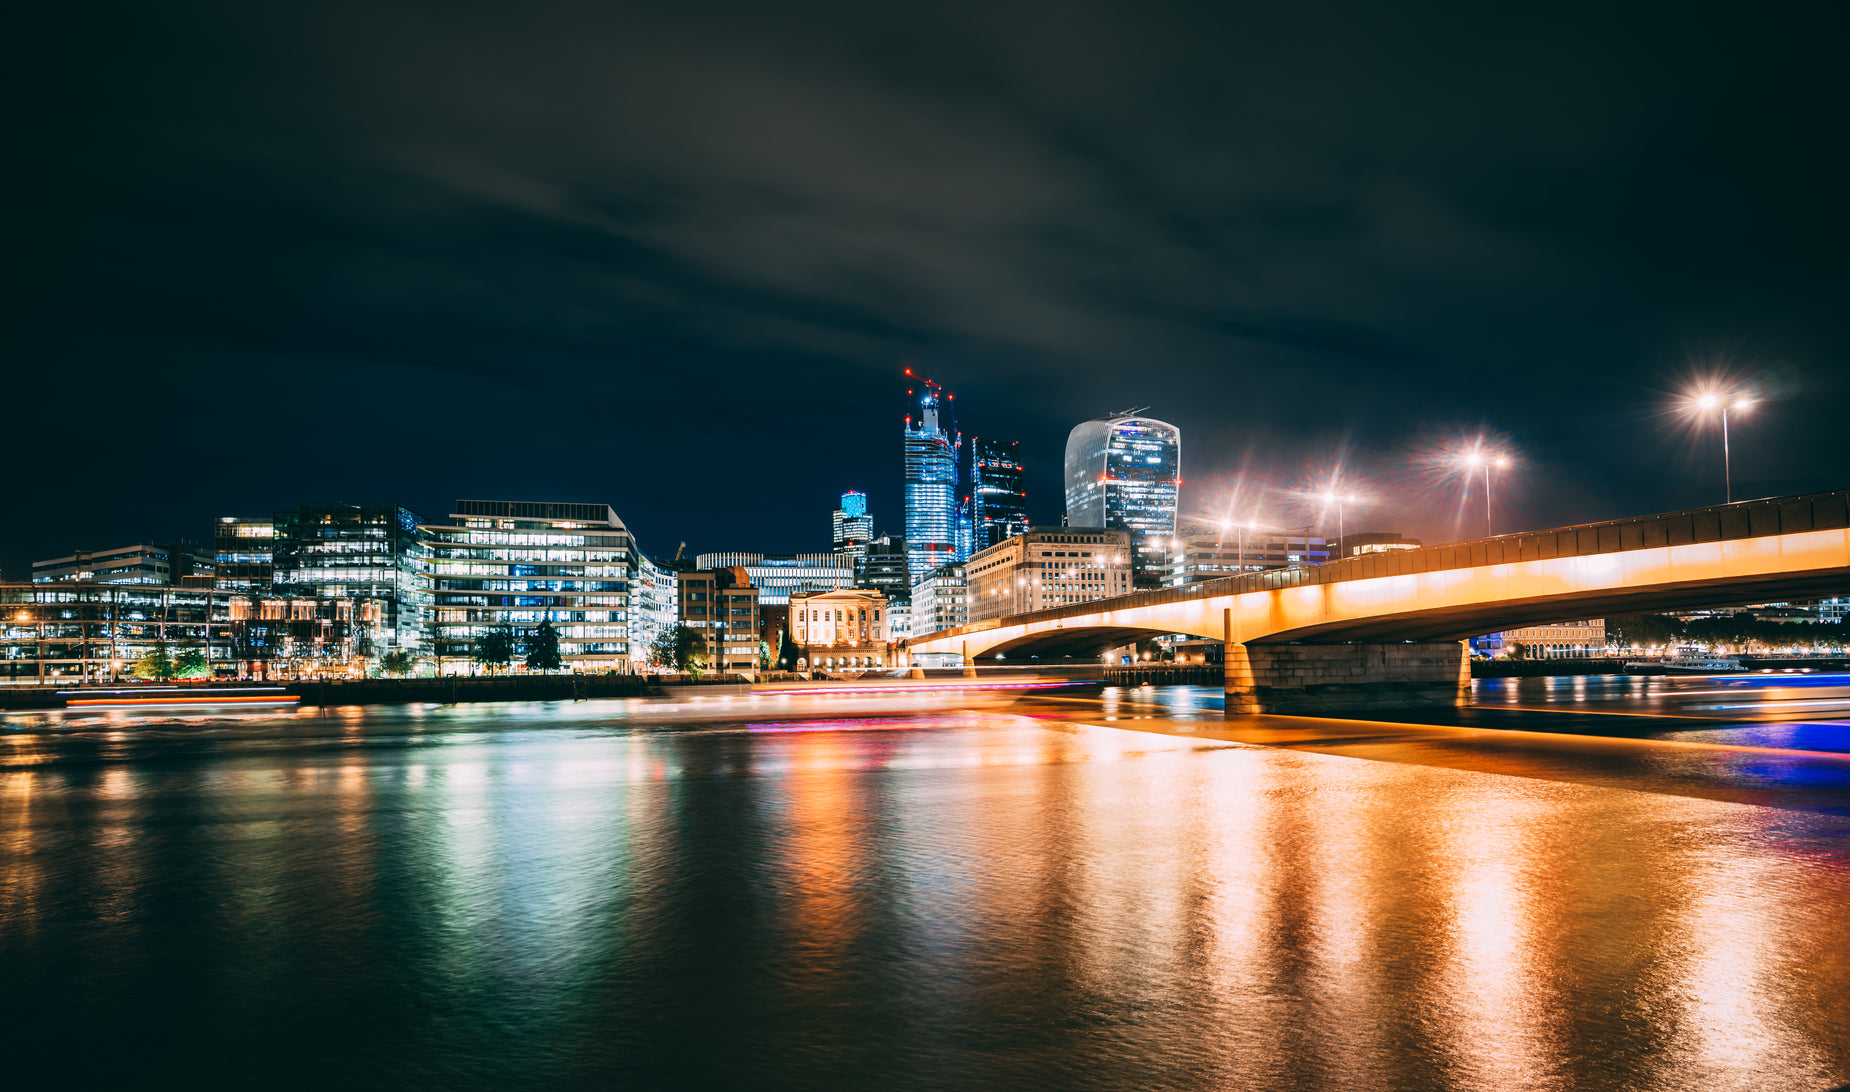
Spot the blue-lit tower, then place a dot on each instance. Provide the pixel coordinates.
(852, 527)
(931, 478)
(1124, 472)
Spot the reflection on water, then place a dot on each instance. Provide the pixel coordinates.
(914, 898)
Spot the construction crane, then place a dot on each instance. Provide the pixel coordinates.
(678, 549)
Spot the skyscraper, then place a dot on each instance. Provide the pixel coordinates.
(853, 527)
(1124, 471)
(998, 497)
(931, 479)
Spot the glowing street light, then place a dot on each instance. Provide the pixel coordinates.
(1331, 496)
(1476, 458)
(1240, 529)
(1710, 401)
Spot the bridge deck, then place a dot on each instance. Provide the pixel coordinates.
(1720, 523)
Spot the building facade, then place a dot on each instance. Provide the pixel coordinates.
(1374, 542)
(143, 563)
(72, 632)
(998, 492)
(842, 630)
(1049, 567)
(851, 528)
(776, 576)
(654, 607)
(356, 551)
(1199, 553)
(1557, 640)
(940, 601)
(722, 606)
(931, 444)
(1124, 472)
(243, 553)
(520, 563)
(886, 568)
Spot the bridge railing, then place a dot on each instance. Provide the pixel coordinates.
(1742, 519)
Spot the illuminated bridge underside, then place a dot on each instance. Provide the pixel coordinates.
(1793, 547)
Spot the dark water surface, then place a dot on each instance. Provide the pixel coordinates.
(927, 892)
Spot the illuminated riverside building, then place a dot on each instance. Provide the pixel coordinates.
(654, 607)
(1198, 553)
(355, 551)
(71, 633)
(778, 576)
(1124, 472)
(63, 632)
(931, 444)
(1556, 640)
(139, 564)
(244, 560)
(1049, 567)
(722, 606)
(842, 630)
(998, 495)
(852, 528)
(520, 563)
(940, 601)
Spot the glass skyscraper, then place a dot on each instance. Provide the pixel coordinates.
(852, 527)
(356, 551)
(931, 480)
(998, 496)
(1124, 472)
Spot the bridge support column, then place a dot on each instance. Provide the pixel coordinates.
(969, 664)
(1316, 679)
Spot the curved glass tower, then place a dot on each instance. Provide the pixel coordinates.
(931, 480)
(1124, 472)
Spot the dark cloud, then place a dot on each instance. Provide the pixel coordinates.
(675, 257)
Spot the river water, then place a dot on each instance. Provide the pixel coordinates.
(1592, 884)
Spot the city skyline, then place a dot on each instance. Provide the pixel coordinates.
(299, 286)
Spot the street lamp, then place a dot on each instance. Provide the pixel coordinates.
(1332, 496)
(1709, 402)
(1478, 458)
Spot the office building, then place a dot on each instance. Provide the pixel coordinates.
(1049, 567)
(931, 444)
(722, 606)
(842, 630)
(1833, 611)
(852, 528)
(998, 492)
(940, 601)
(68, 631)
(139, 564)
(1373, 542)
(520, 563)
(1124, 472)
(243, 553)
(1198, 553)
(886, 568)
(355, 551)
(654, 608)
(776, 576)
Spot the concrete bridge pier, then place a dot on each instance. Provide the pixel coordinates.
(1314, 680)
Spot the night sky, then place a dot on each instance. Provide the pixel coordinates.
(675, 259)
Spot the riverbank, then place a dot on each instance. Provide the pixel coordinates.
(448, 690)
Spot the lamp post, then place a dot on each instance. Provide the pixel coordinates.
(1709, 402)
(1338, 498)
(1473, 461)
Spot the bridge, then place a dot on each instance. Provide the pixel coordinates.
(1387, 629)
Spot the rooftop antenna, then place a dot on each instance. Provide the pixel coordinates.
(1132, 412)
